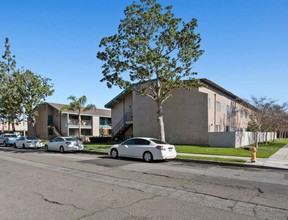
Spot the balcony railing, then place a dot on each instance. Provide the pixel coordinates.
(83, 122)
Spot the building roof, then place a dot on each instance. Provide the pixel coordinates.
(204, 80)
(97, 111)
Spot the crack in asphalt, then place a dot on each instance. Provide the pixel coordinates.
(57, 203)
(119, 207)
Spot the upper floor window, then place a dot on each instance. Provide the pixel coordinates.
(228, 109)
(218, 106)
(105, 121)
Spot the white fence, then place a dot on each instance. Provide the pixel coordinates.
(237, 139)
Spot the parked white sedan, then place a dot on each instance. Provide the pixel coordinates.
(148, 149)
(63, 144)
(31, 142)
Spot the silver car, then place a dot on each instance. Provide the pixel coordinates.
(29, 142)
(64, 144)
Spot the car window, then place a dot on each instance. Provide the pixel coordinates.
(156, 141)
(54, 139)
(141, 142)
(71, 139)
(129, 142)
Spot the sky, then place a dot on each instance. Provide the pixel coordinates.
(245, 43)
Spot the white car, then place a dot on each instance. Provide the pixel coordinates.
(148, 149)
(63, 144)
(7, 139)
(31, 142)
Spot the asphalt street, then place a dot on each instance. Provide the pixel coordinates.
(39, 185)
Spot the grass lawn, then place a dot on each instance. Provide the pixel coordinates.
(102, 148)
(263, 151)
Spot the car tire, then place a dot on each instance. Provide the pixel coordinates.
(147, 156)
(14, 145)
(61, 149)
(114, 153)
(5, 144)
(46, 148)
(23, 145)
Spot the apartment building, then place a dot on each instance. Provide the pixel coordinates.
(53, 121)
(189, 115)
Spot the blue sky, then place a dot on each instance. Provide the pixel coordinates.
(245, 43)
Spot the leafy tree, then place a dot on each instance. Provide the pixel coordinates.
(33, 89)
(9, 97)
(20, 90)
(154, 48)
(78, 105)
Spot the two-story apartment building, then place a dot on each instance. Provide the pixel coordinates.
(52, 121)
(189, 115)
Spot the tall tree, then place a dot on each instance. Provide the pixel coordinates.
(78, 105)
(20, 90)
(9, 97)
(154, 48)
(33, 89)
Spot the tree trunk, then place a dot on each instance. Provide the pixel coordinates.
(13, 126)
(266, 137)
(160, 122)
(79, 120)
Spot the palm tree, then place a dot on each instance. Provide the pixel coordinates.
(78, 105)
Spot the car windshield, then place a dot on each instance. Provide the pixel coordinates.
(156, 141)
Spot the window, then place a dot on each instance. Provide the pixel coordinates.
(105, 121)
(218, 106)
(128, 142)
(141, 142)
(228, 109)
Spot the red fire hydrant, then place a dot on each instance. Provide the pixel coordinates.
(253, 154)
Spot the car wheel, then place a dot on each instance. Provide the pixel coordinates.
(46, 148)
(23, 145)
(61, 150)
(5, 144)
(14, 145)
(114, 153)
(147, 156)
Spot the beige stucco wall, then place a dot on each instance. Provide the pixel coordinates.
(120, 108)
(185, 117)
(217, 121)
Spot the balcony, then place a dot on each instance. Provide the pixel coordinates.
(75, 122)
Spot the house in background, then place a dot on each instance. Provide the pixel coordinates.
(196, 116)
(19, 127)
(53, 121)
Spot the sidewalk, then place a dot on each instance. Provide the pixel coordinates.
(278, 160)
